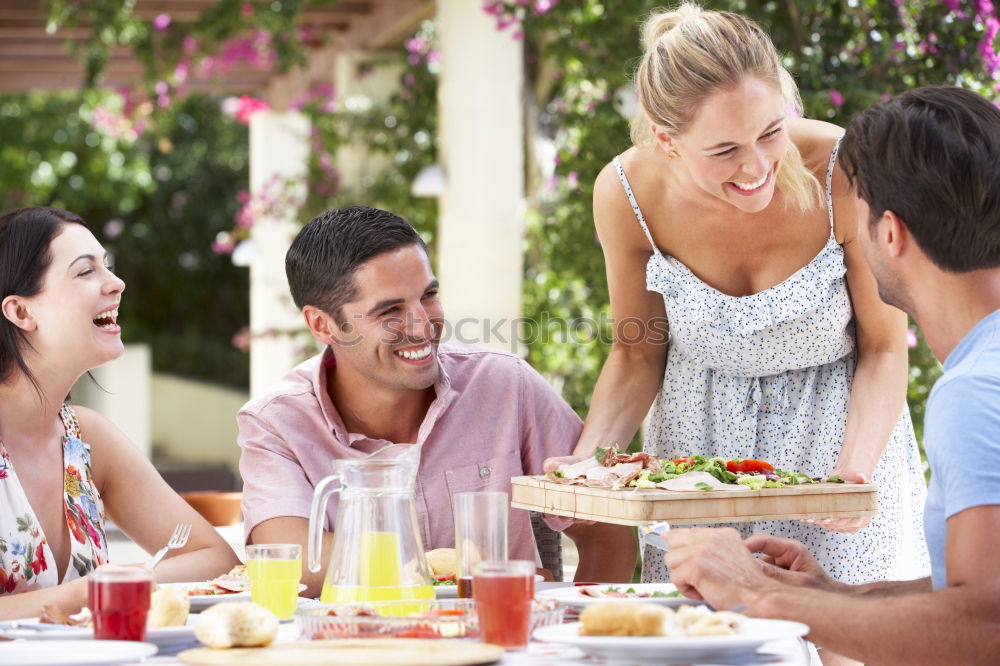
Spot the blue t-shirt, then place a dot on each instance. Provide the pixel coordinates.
(962, 436)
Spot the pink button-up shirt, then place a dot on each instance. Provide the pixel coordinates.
(493, 418)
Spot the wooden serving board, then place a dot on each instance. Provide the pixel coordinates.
(351, 652)
(639, 507)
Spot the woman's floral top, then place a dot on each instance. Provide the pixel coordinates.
(26, 562)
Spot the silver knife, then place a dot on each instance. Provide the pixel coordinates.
(652, 534)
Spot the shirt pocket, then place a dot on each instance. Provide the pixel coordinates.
(491, 474)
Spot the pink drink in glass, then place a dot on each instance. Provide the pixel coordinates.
(503, 592)
(119, 602)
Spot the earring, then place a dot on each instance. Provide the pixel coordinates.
(672, 154)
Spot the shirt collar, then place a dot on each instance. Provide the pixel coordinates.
(971, 340)
(443, 397)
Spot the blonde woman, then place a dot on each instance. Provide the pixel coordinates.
(729, 223)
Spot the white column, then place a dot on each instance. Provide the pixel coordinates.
(482, 151)
(356, 161)
(279, 152)
(122, 393)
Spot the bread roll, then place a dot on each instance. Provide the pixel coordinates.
(442, 561)
(236, 624)
(168, 607)
(623, 619)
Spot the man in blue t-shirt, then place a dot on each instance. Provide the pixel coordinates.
(926, 166)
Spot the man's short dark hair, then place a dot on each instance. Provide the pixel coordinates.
(932, 156)
(323, 258)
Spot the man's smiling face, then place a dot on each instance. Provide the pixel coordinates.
(391, 329)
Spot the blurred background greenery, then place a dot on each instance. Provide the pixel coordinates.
(163, 192)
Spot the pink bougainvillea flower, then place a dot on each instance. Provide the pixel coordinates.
(836, 98)
(161, 22)
(241, 340)
(493, 8)
(222, 247)
(542, 6)
(911, 338)
(249, 106)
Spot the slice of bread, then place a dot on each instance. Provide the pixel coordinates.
(442, 561)
(168, 607)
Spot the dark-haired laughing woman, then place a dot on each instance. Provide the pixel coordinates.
(63, 469)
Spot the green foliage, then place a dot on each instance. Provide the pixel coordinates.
(156, 202)
(844, 54)
(403, 131)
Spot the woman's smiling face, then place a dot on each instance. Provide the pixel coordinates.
(76, 312)
(734, 144)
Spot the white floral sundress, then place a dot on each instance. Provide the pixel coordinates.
(768, 376)
(26, 561)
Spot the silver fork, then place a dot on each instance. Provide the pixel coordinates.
(177, 540)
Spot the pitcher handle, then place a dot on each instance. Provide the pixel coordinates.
(317, 519)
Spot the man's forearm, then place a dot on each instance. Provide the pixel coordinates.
(607, 552)
(957, 625)
(890, 588)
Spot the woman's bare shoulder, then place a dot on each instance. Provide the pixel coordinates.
(99, 432)
(614, 217)
(91, 420)
(814, 139)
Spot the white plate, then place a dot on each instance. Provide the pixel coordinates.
(203, 601)
(446, 591)
(75, 653)
(200, 602)
(167, 639)
(656, 650)
(574, 598)
(451, 591)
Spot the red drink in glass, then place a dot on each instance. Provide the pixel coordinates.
(503, 594)
(119, 602)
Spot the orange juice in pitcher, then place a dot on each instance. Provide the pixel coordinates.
(377, 553)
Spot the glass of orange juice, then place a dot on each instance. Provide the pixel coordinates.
(274, 571)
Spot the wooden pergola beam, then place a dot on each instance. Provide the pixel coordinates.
(33, 59)
(185, 11)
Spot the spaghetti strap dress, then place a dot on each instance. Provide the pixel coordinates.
(26, 561)
(768, 376)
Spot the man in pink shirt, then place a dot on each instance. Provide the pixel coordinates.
(364, 284)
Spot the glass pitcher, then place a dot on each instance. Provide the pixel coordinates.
(377, 552)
